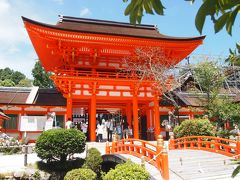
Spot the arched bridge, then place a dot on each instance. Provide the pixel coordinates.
(182, 161)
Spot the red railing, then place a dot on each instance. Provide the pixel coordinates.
(90, 74)
(223, 146)
(153, 154)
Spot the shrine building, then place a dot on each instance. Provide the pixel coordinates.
(85, 57)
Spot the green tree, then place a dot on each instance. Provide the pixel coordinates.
(7, 83)
(222, 110)
(234, 56)
(127, 170)
(210, 78)
(222, 12)
(17, 77)
(194, 127)
(41, 77)
(25, 83)
(57, 144)
(9, 77)
(6, 74)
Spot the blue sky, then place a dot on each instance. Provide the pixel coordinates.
(16, 50)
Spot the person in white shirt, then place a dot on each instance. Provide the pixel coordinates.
(68, 124)
(100, 129)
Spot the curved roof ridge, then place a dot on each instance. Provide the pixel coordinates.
(105, 22)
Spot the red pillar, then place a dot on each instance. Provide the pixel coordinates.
(157, 116)
(69, 107)
(92, 122)
(129, 114)
(135, 117)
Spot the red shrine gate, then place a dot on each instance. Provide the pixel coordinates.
(85, 56)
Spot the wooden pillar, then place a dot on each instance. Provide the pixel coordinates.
(93, 111)
(129, 114)
(135, 117)
(157, 116)
(69, 108)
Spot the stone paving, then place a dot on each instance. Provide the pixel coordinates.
(184, 164)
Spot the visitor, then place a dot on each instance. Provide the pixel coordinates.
(109, 126)
(125, 129)
(119, 131)
(68, 124)
(84, 128)
(100, 128)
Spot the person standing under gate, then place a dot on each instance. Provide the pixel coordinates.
(119, 131)
(109, 126)
(100, 128)
(125, 129)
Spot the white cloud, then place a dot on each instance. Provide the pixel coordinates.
(16, 51)
(85, 12)
(4, 6)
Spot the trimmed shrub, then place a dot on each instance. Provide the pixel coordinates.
(93, 160)
(58, 166)
(194, 127)
(80, 174)
(129, 171)
(57, 144)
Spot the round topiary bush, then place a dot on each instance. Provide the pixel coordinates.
(129, 171)
(80, 174)
(93, 160)
(57, 144)
(194, 127)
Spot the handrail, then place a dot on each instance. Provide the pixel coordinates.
(223, 146)
(91, 74)
(153, 154)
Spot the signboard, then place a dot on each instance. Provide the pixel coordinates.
(32, 123)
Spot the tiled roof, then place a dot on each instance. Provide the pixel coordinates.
(13, 95)
(49, 97)
(68, 23)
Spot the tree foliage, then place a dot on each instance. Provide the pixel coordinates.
(93, 160)
(129, 171)
(210, 78)
(41, 77)
(25, 83)
(57, 144)
(234, 56)
(222, 12)
(81, 174)
(222, 110)
(10, 78)
(194, 127)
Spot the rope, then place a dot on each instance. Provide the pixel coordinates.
(154, 157)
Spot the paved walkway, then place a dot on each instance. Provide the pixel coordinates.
(193, 165)
(201, 165)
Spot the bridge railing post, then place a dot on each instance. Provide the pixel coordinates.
(114, 144)
(165, 166)
(143, 151)
(238, 145)
(107, 148)
(159, 149)
(171, 142)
